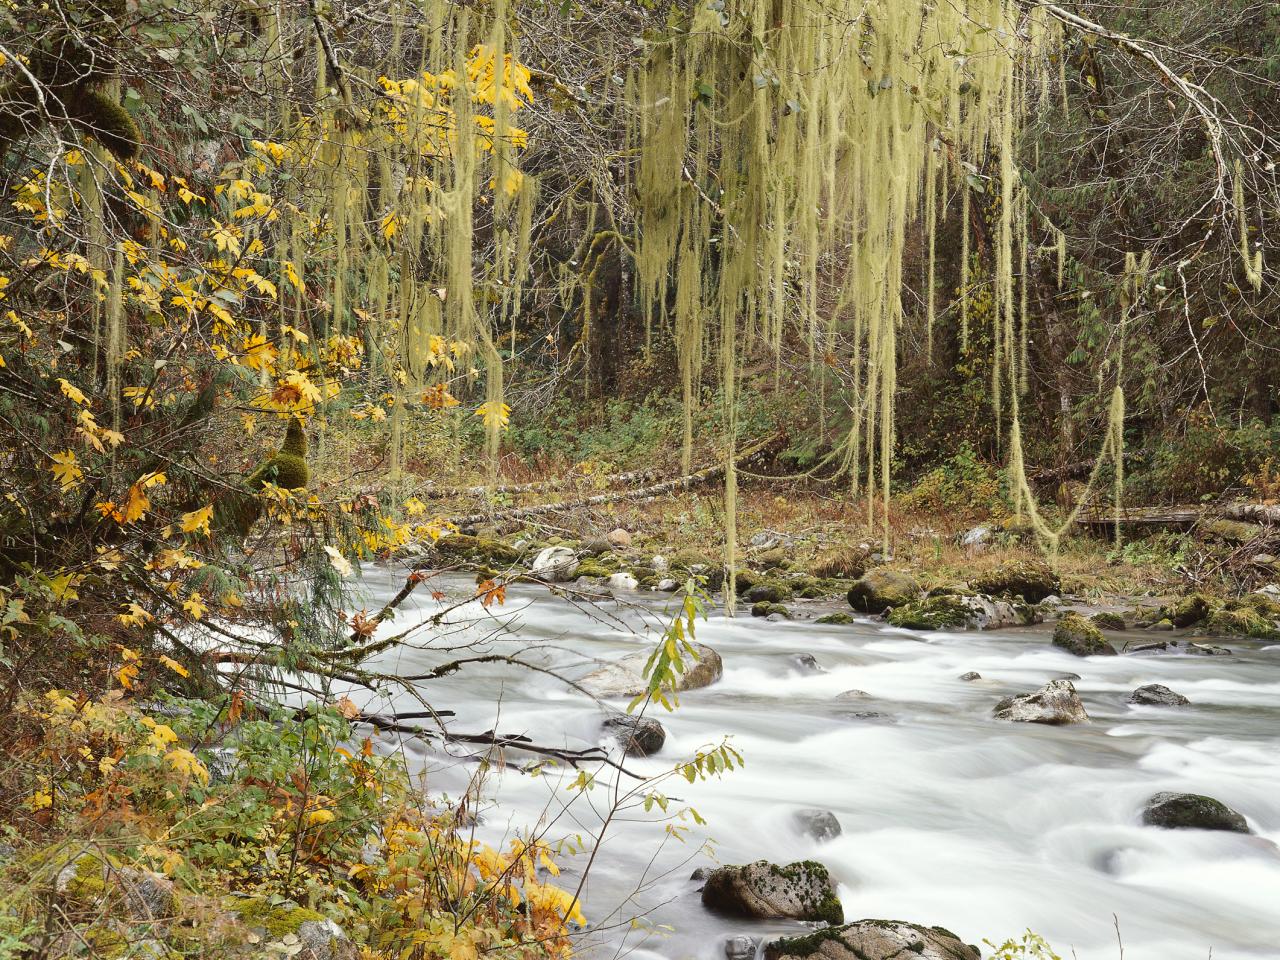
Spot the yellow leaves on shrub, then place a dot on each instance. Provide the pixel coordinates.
(71, 391)
(497, 415)
(66, 469)
(133, 615)
(292, 393)
(318, 818)
(137, 503)
(175, 666)
(186, 763)
(438, 398)
(128, 671)
(197, 521)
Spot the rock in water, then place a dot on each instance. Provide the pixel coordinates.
(1055, 703)
(622, 583)
(1157, 695)
(879, 590)
(639, 736)
(874, 940)
(959, 611)
(625, 677)
(1077, 635)
(806, 663)
(798, 891)
(971, 676)
(555, 564)
(820, 825)
(1192, 811)
(741, 948)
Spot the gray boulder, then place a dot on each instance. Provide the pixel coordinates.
(622, 583)
(1192, 811)
(639, 736)
(1056, 703)
(820, 825)
(971, 676)
(741, 947)
(798, 891)
(555, 565)
(625, 677)
(806, 663)
(1157, 695)
(89, 878)
(1076, 635)
(874, 940)
(881, 589)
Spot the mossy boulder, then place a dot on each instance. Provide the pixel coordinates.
(1188, 610)
(1076, 635)
(1107, 621)
(1032, 580)
(766, 891)
(592, 569)
(766, 609)
(767, 591)
(961, 611)
(462, 546)
(874, 940)
(836, 618)
(1239, 622)
(931, 613)
(744, 580)
(772, 559)
(880, 589)
(1192, 811)
(638, 736)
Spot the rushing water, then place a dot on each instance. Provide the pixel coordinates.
(949, 817)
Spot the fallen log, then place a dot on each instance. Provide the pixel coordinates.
(516, 514)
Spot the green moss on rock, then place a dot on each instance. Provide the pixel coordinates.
(1108, 621)
(1189, 610)
(881, 589)
(1077, 635)
(276, 919)
(931, 613)
(836, 618)
(1032, 580)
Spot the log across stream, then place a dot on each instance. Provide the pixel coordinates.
(948, 817)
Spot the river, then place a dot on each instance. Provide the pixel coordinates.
(949, 817)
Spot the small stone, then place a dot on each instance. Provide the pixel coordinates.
(1192, 811)
(619, 539)
(639, 736)
(820, 825)
(1162, 624)
(853, 695)
(806, 663)
(555, 565)
(659, 564)
(1157, 695)
(622, 583)
(970, 676)
(741, 947)
(667, 585)
(700, 875)
(1263, 560)
(1207, 650)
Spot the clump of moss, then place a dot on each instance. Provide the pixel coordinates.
(1189, 610)
(1239, 622)
(1032, 580)
(277, 919)
(836, 618)
(847, 562)
(1108, 621)
(931, 613)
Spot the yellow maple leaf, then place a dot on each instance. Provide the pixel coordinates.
(66, 469)
(197, 521)
(195, 605)
(259, 353)
(133, 615)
